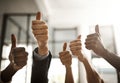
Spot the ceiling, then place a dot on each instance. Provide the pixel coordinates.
(81, 11)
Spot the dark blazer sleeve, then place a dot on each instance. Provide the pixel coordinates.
(40, 69)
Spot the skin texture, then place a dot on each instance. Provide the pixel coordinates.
(66, 60)
(41, 61)
(40, 31)
(92, 75)
(18, 59)
(94, 43)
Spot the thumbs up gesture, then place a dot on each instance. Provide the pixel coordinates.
(94, 42)
(65, 56)
(75, 46)
(40, 31)
(18, 55)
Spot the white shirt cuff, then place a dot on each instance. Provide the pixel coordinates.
(38, 56)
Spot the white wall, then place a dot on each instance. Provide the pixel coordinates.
(102, 12)
(18, 6)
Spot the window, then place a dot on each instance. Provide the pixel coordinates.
(57, 70)
(20, 25)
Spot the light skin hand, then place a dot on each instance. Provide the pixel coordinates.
(94, 42)
(66, 60)
(40, 31)
(65, 56)
(75, 47)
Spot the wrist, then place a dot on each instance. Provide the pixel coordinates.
(43, 50)
(84, 60)
(103, 53)
(81, 57)
(68, 66)
(12, 67)
(42, 44)
(6, 74)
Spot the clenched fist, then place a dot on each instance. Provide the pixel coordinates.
(65, 56)
(18, 55)
(40, 31)
(94, 42)
(75, 47)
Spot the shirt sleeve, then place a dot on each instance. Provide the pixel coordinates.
(40, 67)
(37, 56)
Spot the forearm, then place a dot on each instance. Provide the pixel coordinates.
(113, 59)
(7, 74)
(69, 75)
(91, 73)
(43, 50)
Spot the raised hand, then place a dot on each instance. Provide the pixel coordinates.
(40, 31)
(66, 60)
(18, 55)
(94, 42)
(75, 46)
(65, 56)
(97, 29)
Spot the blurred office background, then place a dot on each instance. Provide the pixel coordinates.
(66, 20)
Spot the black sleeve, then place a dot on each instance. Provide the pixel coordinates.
(40, 69)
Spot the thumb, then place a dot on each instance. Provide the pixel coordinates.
(64, 46)
(97, 29)
(79, 37)
(13, 41)
(38, 16)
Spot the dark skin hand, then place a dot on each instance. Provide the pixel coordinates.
(94, 42)
(18, 59)
(66, 60)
